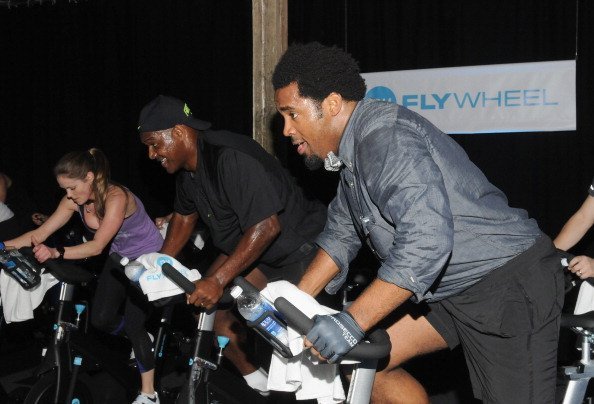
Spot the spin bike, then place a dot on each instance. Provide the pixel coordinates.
(206, 381)
(201, 387)
(583, 325)
(64, 375)
(75, 356)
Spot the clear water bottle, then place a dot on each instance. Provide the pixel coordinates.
(133, 269)
(256, 308)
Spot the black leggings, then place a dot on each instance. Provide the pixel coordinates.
(112, 290)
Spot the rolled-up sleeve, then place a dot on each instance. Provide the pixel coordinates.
(339, 239)
(406, 186)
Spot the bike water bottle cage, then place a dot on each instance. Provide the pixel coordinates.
(270, 325)
(265, 325)
(21, 266)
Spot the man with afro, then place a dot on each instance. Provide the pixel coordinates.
(457, 264)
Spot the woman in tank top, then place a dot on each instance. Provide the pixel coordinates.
(116, 217)
(572, 232)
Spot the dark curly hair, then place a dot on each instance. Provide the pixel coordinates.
(318, 71)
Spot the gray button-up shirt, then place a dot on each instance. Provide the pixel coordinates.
(429, 214)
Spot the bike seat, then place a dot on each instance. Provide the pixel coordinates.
(69, 273)
(585, 320)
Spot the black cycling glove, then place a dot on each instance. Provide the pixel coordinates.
(334, 336)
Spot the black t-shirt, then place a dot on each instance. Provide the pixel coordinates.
(238, 184)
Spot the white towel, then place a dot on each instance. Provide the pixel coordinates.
(302, 374)
(17, 303)
(585, 299)
(153, 281)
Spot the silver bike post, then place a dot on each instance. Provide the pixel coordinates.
(361, 383)
(579, 376)
(200, 366)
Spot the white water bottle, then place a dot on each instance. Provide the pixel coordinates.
(133, 269)
(252, 306)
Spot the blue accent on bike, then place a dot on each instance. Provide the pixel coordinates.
(191, 362)
(164, 259)
(79, 308)
(75, 401)
(55, 327)
(222, 341)
(77, 361)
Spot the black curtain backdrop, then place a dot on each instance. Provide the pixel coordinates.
(76, 75)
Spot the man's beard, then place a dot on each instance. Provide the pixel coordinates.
(313, 162)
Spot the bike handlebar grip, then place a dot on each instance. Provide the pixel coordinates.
(379, 342)
(295, 317)
(176, 277)
(245, 285)
(27, 251)
(565, 257)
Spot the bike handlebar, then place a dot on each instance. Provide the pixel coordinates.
(63, 270)
(565, 257)
(177, 278)
(245, 285)
(379, 342)
(188, 286)
(571, 279)
(377, 346)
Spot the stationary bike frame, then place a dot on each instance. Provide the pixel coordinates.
(583, 325)
(367, 353)
(71, 347)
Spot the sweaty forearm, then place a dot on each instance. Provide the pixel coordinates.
(250, 247)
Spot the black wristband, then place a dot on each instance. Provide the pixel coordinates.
(61, 251)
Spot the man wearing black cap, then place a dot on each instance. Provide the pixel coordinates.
(257, 216)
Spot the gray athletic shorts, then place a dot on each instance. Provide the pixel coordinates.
(508, 325)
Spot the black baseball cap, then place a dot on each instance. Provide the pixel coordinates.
(165, 112)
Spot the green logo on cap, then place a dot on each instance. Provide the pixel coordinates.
(187, 110)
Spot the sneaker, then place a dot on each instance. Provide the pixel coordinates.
(142, 398)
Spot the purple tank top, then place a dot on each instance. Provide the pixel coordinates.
(138, 234)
